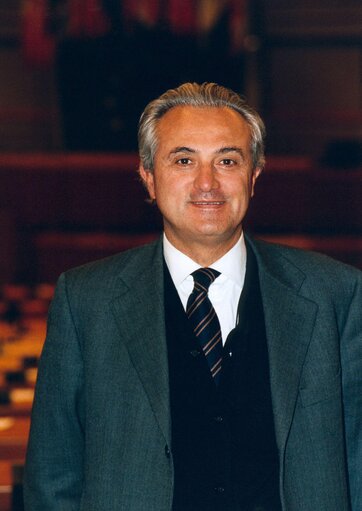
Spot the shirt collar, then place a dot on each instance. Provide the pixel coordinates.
(231, 265)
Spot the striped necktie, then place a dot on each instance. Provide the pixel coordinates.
(204, 320)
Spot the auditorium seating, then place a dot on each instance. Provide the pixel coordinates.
(23, 311)
(62, 210)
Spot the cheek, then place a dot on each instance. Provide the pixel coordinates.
(171, 189)
(237, 189)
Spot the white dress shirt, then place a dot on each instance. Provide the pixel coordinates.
(224, 292)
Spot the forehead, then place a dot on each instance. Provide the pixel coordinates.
(202, 124)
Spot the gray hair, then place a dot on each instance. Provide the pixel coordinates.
(204, 95)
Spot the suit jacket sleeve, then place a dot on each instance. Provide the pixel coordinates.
(351, 355)
(53, 472)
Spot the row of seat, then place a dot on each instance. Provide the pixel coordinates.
(103, 192)
(22, 330)
(59, 210)
(60, 251)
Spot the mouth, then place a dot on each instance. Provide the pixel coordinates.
(208, 200)
(208, 203)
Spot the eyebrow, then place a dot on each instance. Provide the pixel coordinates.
(182, 149)
(222, 150)
(238, 150)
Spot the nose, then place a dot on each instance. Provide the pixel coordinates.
(205, 179)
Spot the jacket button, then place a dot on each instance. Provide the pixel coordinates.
(167, 451)
(218, 418)
(219, 489)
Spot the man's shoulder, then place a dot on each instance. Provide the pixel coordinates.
(104, 272)
(311, 263)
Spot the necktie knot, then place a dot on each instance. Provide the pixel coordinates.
(203, 278)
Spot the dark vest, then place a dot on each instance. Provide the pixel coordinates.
(223, 440)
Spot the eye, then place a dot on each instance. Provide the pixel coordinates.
(227, 162)
(184, 161)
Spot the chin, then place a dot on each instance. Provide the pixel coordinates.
(211, 233)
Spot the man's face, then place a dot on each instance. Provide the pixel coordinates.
(203, 176)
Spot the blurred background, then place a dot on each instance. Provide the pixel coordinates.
(75, 76)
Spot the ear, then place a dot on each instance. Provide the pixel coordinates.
(256, 173)
(148, 180)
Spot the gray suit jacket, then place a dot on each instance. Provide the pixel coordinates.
(100, 432)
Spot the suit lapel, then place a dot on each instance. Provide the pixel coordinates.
(289, 323)
(139, 313)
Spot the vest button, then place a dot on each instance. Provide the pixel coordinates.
(218, 418)
(219, 489)
(167, 451)
(195, 353)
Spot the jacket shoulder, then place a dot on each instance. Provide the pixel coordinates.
(317, 270)
(102, 274)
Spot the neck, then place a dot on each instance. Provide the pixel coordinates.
(206, 251)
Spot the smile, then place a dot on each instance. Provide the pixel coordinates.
(208, 203)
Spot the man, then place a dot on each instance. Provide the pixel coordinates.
(207, 371)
